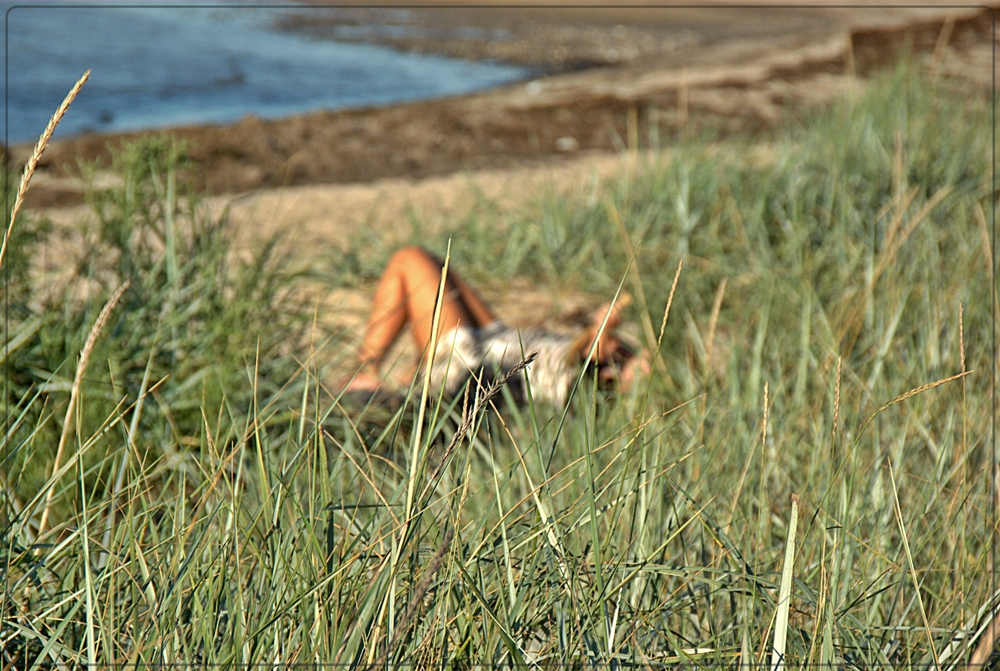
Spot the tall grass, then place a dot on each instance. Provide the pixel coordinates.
(200, 328)
(827, 288)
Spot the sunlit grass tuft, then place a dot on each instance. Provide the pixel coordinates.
(832, 321)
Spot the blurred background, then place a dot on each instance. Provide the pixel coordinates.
(309, 94)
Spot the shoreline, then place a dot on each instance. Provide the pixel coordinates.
(721, 82)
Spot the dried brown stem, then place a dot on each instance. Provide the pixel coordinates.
(88, 348)
(32, 164)
(987, 642)
(417, 601)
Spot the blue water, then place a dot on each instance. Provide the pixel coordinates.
(166, 66)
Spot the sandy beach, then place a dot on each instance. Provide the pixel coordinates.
(608, 80)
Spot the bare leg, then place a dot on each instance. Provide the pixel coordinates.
(407, 294)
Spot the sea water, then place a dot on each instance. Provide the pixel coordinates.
(161, 66)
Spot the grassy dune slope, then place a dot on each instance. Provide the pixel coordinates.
(217, 505)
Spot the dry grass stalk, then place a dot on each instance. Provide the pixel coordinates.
(633, 133)
(32, 164)
(891, 251)
(666, 311)
(746, 465)
(683, 103)
(850, 64)
(836, 404)
(960, 454)
(921, 389)
(898, 177)
(785, 592)
(425, 391)
(22, 190)
(416, 604)
(901, 203)
(941, 45)
(484, 396)
(987, 642)
(763, 425)
(636, 280)
(712, 324)
(913, 570)
(88, 348)
(984, 231)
